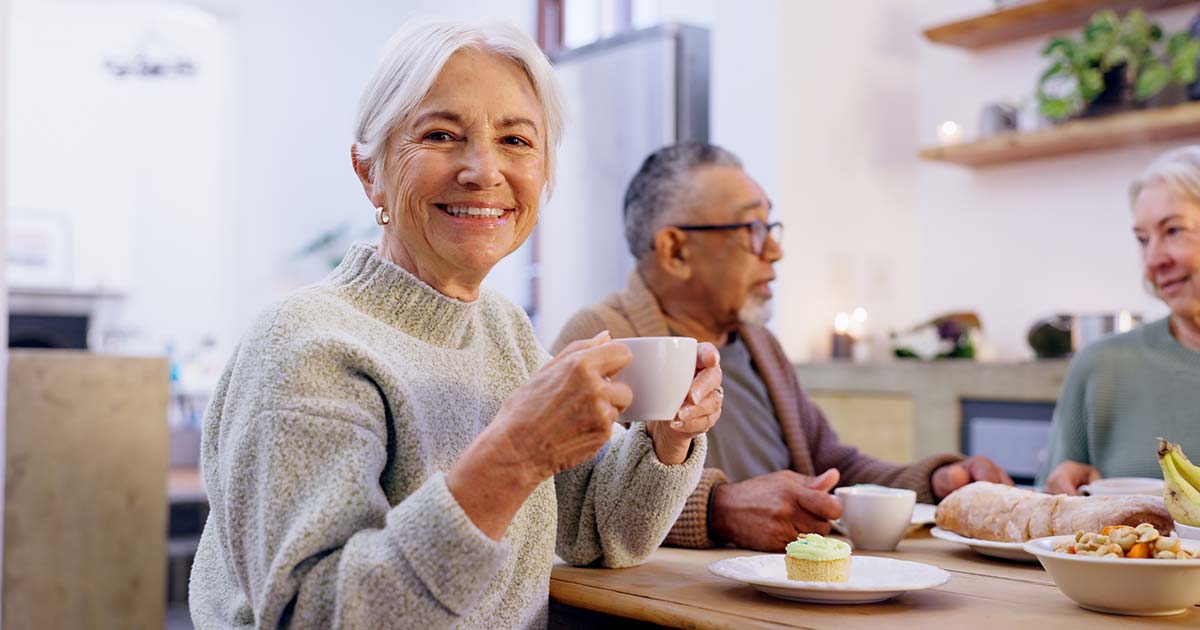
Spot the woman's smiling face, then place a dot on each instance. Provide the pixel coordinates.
(1167, 227)
(464, 172)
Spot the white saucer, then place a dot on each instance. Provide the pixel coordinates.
(1003, 550)
(923, 514)
(871, 579)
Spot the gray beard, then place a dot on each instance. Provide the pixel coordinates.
(755, 311)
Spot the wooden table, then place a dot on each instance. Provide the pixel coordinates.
(674, 588)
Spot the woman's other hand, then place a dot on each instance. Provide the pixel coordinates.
(1068, 476)
(701, 410)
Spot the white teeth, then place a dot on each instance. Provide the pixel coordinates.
(469, 211)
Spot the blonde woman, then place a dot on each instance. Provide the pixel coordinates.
(1125, 390)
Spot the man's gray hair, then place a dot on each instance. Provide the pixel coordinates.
(655, 190)
(1179, 169)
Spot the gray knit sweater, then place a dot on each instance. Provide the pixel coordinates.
(1120, 394)
(324, 452)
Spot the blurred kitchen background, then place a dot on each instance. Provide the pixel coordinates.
(169, 168)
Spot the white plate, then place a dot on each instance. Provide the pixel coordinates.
(922, 515)
(871, 579)
(1003, 550)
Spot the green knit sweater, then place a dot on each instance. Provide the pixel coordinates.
(1120, 394)
(324, 452)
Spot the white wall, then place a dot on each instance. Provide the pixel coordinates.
(817, 99)
(1022, 241)
(745, 59)
(846, 169)
(132, 167)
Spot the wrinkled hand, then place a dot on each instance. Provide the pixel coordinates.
(768, 512)
(701, 410)
(951, 477)
(565, 412)
(1068, 476)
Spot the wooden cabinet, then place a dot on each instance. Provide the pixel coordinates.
(880, 425)
(907, 410)
(85, 514)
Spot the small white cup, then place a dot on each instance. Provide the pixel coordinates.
(1123, 485)
(875, 517)
(660, 375)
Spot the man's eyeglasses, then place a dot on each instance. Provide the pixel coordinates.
(759, 232)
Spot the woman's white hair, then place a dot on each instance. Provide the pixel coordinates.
(412, 60)
(1179, 169)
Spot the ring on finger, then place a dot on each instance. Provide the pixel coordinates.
(720, 391)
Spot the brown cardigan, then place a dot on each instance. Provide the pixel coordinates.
(811, 442)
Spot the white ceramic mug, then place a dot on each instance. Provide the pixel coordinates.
(660, 375)
(1123, 485)
(875, 517)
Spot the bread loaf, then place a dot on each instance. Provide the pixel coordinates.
(990, 511)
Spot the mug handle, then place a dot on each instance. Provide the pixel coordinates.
(840, 526)
(1085, 490)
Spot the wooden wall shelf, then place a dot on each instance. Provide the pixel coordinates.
(1031, 19)
(1079, 136)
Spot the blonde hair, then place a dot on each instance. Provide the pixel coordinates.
(414, 57)
(1178, 169)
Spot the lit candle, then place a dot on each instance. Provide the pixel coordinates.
(861, 351)
(949, 132)
(843, 343)
(858, 322)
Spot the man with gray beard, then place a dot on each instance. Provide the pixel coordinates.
(700, 229)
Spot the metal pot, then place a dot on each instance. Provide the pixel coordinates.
(1065, 334)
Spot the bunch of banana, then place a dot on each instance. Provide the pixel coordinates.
(1181, 483)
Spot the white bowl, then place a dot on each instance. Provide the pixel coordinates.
(1187, 532)
(1125, 586)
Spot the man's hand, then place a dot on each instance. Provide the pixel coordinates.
(768, 512)
(1068, 476)
(951, 477)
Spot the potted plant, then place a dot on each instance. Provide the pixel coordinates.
(950, 336)
(1116, 63)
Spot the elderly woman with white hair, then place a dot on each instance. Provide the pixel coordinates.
(1123, 391)
(391, 447)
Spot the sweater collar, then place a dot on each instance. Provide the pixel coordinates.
(1157, 335)
(391, 294)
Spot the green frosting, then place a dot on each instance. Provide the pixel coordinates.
(817, 547)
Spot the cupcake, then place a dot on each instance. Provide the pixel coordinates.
(815, 558)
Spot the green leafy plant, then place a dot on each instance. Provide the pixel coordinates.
(1071, 82)
(1130, 47)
